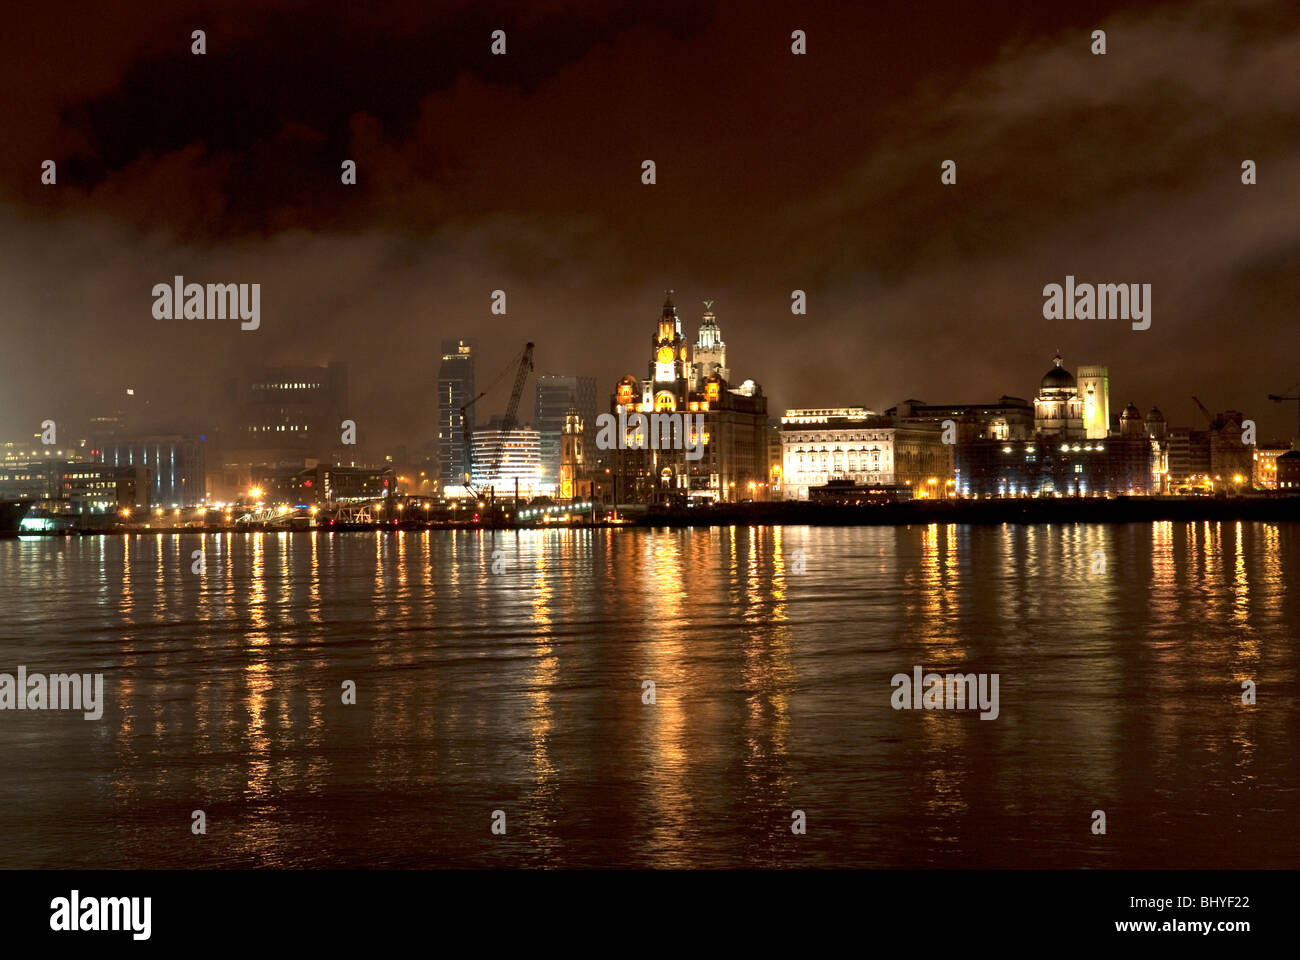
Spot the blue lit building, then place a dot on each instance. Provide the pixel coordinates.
(176, 466)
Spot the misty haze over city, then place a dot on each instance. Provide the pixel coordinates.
(473, 177)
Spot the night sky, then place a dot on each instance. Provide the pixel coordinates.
(775, 172)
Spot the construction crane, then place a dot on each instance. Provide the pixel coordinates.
(1276, 398)
(524, 359)
(1208, 416)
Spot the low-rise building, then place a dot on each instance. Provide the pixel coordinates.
(1288, 472)
(1011, 418)
(821, 445)
(1049, 466)
(320, 484)
(1264, 464)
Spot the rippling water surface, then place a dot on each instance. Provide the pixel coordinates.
(521, 691)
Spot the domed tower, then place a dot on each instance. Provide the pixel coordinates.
(1157, 426)
(1130, 422)
(710, 354)
(627, 393)
(1058, 409)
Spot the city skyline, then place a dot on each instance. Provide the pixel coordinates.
(723, 438)
(1180, 410)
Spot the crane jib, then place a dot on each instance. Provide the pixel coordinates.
(525, 365)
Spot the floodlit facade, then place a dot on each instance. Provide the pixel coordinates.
(734, 463)
(1265, 457)
(1058, 408)
(1094, 391)
(500, 459)
(825, 445)
(1062, 458)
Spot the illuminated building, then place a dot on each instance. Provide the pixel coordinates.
(837, 444)
(319, 484)
(506, 460)
(1048, 466)
(81, 487)
(1094, 391)
(1062, 457)
(279, 417)
(176, 464)
(734, 464)
(296, 408)
(1210, 459)
(1265, 457)
(15, 453)
(575, 474)
(1158, 433)
(1058, 408)
(1288, 471)
(90, 488)
(709, 356)
(455, 390)
(38, 480)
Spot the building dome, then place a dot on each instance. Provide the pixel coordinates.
(1130, 422)
(1155, 416)
(1058, 378)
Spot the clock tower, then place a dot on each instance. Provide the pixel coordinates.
(668, 363)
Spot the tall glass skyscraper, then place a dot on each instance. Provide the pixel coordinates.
(455, 389)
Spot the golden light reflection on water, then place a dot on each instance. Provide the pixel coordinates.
(659, 566)
(768, 675)
(540, 692)
(1123, 683)
(932, 596)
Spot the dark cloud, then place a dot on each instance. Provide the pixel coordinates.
(775, 172)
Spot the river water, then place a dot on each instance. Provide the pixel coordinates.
(507, 672)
